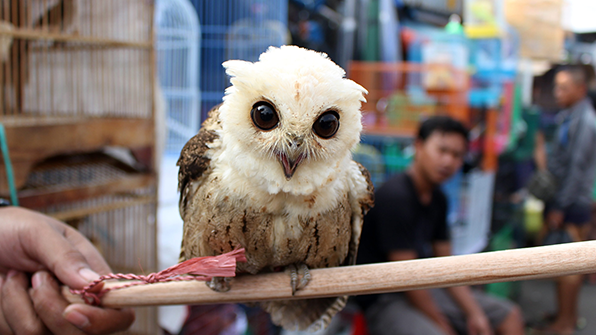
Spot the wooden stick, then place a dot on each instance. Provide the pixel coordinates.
(30, 34)
(482, 268)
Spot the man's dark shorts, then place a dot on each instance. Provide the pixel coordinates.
(575, 214)
(392, 314)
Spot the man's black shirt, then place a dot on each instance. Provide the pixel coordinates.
(398, 221)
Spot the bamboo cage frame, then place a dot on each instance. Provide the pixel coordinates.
(481, 268)
(79, 74)
(77, 77)
(29, 34)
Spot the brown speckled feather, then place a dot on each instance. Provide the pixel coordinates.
(194, 162)
(315, 314)
(217, 221)
(288, 192)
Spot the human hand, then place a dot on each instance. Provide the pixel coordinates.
(444, 324)
(554, 219)
(478, 324)
(34, 243)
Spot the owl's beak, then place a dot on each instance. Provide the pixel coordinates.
(290, 165)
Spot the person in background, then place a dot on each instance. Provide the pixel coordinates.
(37, 253)
(409, 222)
(571, 160)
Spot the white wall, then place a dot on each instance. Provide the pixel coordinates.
(579, 16)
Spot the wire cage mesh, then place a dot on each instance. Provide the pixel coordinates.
(177, 44)
(77, 76)
(121, 223)
(75, 58)
(235, 29)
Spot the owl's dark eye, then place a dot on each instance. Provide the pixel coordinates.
(327, 124)
(264, 116)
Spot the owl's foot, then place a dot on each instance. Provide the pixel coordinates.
(220, 284)
(294, 271)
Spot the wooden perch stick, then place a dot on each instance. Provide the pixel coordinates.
(482, 268)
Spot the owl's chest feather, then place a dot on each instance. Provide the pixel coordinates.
(275, 232)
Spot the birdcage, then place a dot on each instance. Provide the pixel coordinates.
(77, 82)
(76, 73)
(178, 41)
(111, 201)
(235, 29)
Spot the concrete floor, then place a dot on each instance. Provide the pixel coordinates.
(537, 299)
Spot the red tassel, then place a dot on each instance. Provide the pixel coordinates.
(199, 268)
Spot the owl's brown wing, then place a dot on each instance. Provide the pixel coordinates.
(195, 161)
(362, 198)
(195, 164)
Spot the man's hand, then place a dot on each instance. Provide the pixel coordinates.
(478, 324)
(554, 219)
(444, 324)
(32, 243)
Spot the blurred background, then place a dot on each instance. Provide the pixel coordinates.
(97, 98)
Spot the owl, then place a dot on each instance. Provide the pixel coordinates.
(271, 171)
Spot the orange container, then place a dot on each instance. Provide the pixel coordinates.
(400, 95)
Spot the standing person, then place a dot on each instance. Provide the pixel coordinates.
(409, 222)
(572, 163)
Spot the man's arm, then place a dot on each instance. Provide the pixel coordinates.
(477, 321)
(540, 151)
(581, 163)
(422, 299)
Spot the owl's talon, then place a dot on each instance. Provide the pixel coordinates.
(219, 284)
(305, 277)
(294, 271)
(293, 277)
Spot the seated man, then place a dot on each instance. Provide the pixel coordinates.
(409, 222)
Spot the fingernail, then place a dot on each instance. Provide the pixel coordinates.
(76, 318)
(11, 274)
(36, 280)
(88, 274)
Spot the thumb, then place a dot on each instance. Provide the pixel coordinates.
(55, 253)
(472, 329)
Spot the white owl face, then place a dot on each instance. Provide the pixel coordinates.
(290, 120)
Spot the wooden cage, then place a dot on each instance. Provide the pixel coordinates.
(77, 88)
(78, 74)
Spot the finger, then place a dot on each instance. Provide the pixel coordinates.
(486, 330)
(58, 255)
(91, 254)
(17, 307)
(49, 304)
(96, 320)
(4, 328)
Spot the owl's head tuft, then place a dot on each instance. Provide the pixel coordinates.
(290, 119)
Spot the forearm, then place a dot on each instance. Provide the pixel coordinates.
(424, 302)
(540, 152)
(540, 158)
(464, 299)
